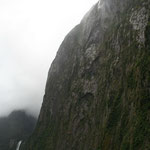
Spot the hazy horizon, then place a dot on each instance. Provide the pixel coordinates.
(31, 33)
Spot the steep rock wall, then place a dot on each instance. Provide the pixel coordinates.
(97, 94)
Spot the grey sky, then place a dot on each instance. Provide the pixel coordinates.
(31, 32)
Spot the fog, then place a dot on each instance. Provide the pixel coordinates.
(31, 32)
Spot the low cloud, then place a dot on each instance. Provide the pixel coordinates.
(30, 34)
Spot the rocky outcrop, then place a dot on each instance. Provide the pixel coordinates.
(97, 94)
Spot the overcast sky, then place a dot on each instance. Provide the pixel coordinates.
(31, 32)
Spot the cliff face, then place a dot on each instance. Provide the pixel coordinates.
(97, 94)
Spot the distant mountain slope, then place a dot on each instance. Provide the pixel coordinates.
(97, 94)
(17, 126)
